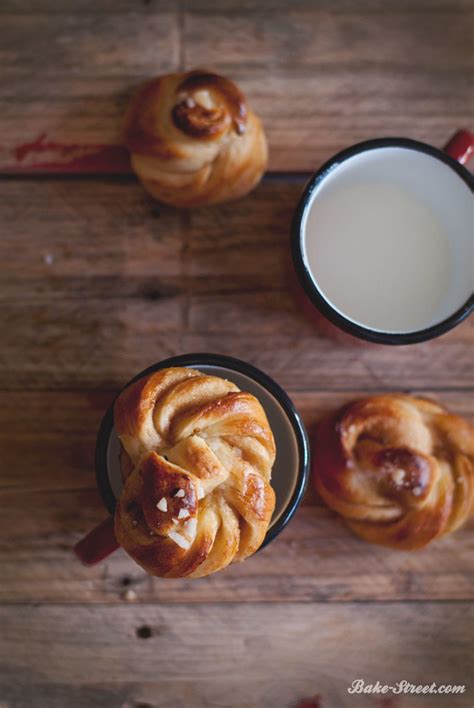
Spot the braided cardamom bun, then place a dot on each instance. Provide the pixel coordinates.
(196, 461)
(399, 469)
(193, 139)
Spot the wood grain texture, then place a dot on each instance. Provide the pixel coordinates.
(100, 7)
(239, 656)
(97, 343)
(49, 499)
(322, 75)
(110, 283)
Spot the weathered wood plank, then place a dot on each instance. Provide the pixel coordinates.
(240, 656)
(108, 7)
(86, 239)
(48, 500)
(103, 238)
(310, 118)
(95, 343)
(390, 37)
(103, 343)
(97, 283)
(86, 45)
(240, 6)
(322, 76)
(314, 559)
(97, 7)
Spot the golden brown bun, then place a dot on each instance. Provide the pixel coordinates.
(399, 469)
(193, 139)
(196, 462)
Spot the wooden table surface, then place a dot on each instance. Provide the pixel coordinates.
(97, 282)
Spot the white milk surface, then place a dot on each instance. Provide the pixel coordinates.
(388, 240)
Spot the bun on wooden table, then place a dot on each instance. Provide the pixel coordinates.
(398, 469)
(193, 139)
(197, 455)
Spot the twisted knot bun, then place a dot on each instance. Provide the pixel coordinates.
(399, 469)
(197, 455)
(193, 140)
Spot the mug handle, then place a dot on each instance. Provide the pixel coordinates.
(98, 544)
(461, 146)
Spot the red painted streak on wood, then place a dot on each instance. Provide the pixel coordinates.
(46, 156)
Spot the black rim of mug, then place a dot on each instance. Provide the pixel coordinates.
(304, 275)
(201, 359)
